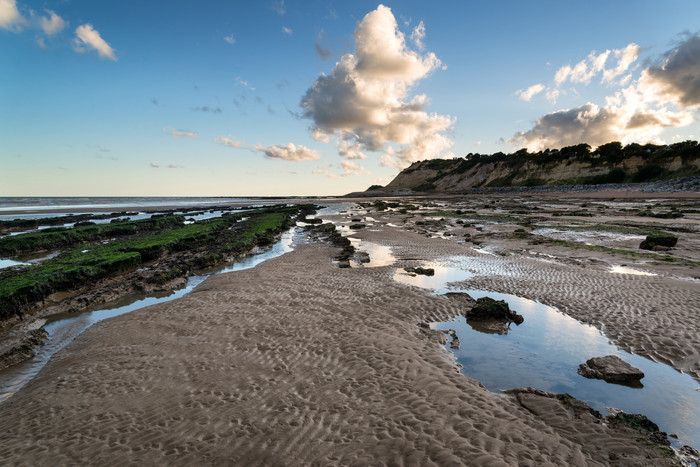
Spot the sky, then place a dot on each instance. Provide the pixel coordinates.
(319, 97)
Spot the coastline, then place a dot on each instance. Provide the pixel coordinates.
(298, 361)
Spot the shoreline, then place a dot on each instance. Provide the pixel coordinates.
(299, 361)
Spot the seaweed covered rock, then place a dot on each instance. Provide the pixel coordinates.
(659, 242)
(612, 369)
(487, 308)
(641, 424)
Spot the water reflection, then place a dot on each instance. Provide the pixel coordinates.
(545, 351)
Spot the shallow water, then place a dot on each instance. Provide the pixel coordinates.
(6, 263)
(379, 255)
(545, 350)
(65, 327)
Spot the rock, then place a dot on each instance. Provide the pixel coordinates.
(357, 226)
(660, 242)
(420, 271)
(487, 308)
(362, 257)
(611, 369)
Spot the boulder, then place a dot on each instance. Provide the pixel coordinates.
(660, 242)
(612, 369)
(487, 308)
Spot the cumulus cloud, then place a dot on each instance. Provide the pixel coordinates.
(10, 17)
(664, 96)
(230, 39)
(229, 143)
(52, 24)
(86, 38)
(180, 133)
(678, 78)
(364, 102)
(530, 92)
(290, 152)
(625, 58)
(287, 30)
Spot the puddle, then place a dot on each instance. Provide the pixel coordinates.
(439, 281)
(545, 350)
(626, 270)
(379, 255)
(65, 327)
(7, 263)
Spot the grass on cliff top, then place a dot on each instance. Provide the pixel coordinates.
(87, 262)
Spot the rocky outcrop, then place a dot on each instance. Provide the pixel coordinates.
(487, 309)
(611, 369)
(659, 242)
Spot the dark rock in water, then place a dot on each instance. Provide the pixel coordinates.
(487, 308)
(308, 220)
(454, 343)
(362, 257)
(420, 271)
(357, 226)
(343, 263)
(611, 369)
(659, 242)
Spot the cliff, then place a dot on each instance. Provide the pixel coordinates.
(574, 165)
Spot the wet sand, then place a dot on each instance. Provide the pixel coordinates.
(299, 362)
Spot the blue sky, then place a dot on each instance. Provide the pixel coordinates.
(324, 97)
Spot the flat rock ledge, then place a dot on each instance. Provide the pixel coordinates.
(611, 369)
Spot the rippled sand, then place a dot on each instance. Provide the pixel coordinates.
(299, 362)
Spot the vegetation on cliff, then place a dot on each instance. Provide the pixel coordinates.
(609, 163)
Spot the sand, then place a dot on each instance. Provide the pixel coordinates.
(299, 362)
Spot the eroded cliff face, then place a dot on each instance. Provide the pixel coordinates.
(457, 175)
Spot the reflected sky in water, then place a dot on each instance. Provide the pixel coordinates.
(545, 351)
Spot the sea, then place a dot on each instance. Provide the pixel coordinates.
(38, 207)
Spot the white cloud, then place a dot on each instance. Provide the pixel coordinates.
(290, 152)
(86, 37)
(351, 168)
(664, 96)
(52, 24)
(364, 102)
(230, 39)
(244, 83)
(154, 165)
(418, 35)
(10, 17)
(350, 150)
(678, 78)
(287, 30)
(625, 58)
(530, 92)
(180, 133)
(229, 143)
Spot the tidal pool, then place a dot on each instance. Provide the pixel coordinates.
(545, 351)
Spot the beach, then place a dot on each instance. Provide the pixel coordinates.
(300, 362)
